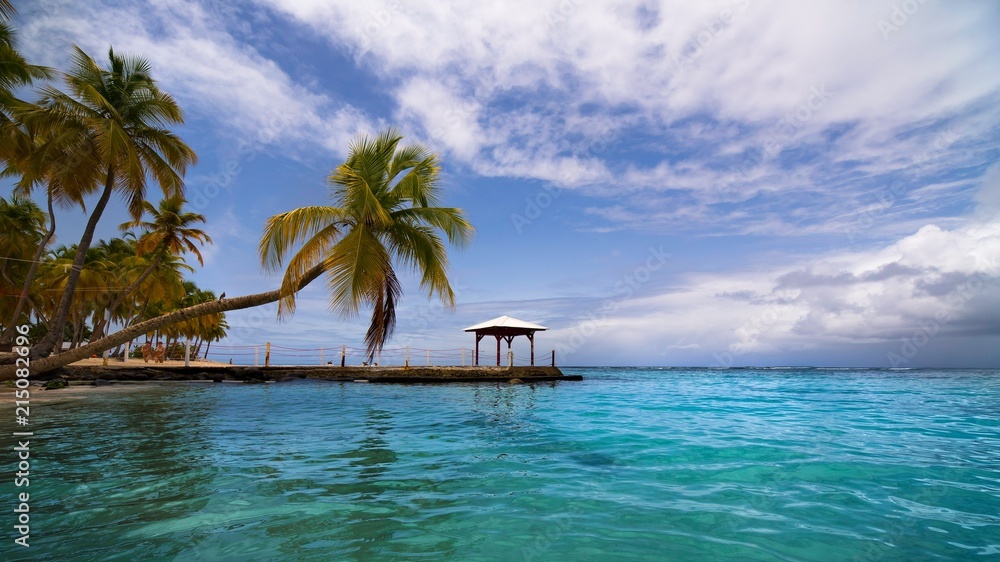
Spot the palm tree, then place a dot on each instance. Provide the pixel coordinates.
(386, 204)
(22, 224)
(121, 115)
(95, 282)
(14, 73)
(58, 158)
(168, 233)
(385, 209)
(214, 332)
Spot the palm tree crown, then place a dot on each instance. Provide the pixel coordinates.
(115, 120)
(169, 228)
(385, 209)
(123, 114)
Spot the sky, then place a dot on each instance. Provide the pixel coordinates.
(727, 183)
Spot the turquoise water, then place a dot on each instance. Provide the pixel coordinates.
(638, 464)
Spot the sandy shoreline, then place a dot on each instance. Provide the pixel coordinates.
(136, 363)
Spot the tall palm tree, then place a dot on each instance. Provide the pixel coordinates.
(385, 209)
(121, 115)
(168, 233)
(61, 159)
(94, 283)
(22, 228)
(214, 331)
(386, 203)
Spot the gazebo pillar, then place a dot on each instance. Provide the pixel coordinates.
(498, 349)
(478, 337)
(531, 338)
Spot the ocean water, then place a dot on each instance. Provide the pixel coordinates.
(630, 464)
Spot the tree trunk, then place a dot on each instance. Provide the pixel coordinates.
(45, 346)
(77, 331)
(8, 334)
(207, 347)
(44, 364)
(128, 291)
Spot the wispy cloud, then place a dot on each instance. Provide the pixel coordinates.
(730, 101)
(199, 59)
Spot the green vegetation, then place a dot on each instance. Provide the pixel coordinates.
(386, 207)
(108, 132)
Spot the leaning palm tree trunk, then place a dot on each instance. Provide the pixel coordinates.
(58, 322)
(45, 364)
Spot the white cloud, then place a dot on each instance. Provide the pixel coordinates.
(196, 58)
(933, 280)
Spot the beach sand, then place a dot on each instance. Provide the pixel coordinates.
(136, 363)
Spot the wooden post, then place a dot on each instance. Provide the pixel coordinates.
(531, 338)
(498, 350)
(267, 355)
(553, 358)
(343, 355)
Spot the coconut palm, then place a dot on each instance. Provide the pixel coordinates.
(61, 160)
(385, 210)
(14, 73)
(94, 283)
(386, 207)
(22, 233)
(214, 332)
(168, 234)
(120, 116)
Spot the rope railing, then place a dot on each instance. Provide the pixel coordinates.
(277, 354)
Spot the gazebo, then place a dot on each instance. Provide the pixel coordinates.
(507, 328)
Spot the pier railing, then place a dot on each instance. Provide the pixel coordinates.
(273, 354)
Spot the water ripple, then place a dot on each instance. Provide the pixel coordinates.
(630, 464)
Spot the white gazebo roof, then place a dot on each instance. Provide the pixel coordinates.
(505, 322)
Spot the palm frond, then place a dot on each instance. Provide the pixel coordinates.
(312, 252)
(285, 231)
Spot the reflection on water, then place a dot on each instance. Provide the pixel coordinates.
(629, 464)
(504, 404)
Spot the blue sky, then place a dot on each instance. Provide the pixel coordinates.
(660, 183)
